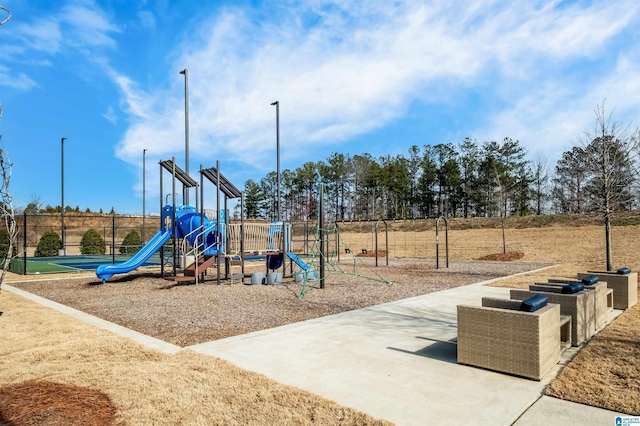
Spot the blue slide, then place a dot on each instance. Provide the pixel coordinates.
(297, 261)
(105, 272)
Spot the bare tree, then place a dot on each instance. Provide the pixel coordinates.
(610, 157)
(6, 210)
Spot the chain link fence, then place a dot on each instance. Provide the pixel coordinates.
(33, 252)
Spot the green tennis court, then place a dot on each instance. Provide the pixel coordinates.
(51, 265)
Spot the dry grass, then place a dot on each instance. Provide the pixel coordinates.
(606, 373)
(579, 245)
(147, 386)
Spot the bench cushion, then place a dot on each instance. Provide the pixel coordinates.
(590, 280)
(572, 288)
(534, 303)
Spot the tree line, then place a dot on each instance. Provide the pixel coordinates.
(466, 179)
(462, 180)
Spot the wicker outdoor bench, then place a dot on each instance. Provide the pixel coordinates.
(603, 298)
(625, 286)
(580, 306)
(498, 336)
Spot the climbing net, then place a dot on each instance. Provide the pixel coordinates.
(327, 251)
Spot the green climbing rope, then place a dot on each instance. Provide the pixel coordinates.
(333, 244)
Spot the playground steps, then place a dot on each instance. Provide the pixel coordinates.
(203, 262)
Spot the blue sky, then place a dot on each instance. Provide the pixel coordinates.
(351, 77)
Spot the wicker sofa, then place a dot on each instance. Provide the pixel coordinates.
(498, 336)
(580, 306)
(625, 286)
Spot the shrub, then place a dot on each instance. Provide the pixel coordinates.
(92, 243)
(48, 245)
(131, 243)
(4, 244)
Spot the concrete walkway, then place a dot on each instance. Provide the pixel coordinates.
(395, 361)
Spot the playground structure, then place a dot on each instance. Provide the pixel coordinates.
(187, 237)
(199, 242)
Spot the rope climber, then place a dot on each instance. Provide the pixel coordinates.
(8, 17)
(331, 242)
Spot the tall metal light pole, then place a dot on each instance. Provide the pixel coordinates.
(185, 72)
(64, 246)
(144, 191)
(277, 104)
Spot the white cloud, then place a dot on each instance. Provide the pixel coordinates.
(77, 26)
(341, 69)
(88, 25)
(18, 81)
(110, 115)
(42, 35)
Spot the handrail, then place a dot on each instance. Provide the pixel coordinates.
(199, 245)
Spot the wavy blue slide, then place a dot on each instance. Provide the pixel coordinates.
(105, 272)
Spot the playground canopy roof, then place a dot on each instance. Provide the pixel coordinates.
(225, 186)
(184, 178)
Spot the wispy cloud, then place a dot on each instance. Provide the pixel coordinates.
(342, 69)
(110, 115)
(18, 81)
(88, 25)
(77, 26)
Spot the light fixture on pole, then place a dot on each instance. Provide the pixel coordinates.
(63, 252)
(277, 104)
(185, 72)
(144, 192)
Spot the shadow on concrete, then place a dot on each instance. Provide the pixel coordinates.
(440, 350)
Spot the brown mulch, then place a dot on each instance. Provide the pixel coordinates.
(190, 314)
(54, 404)
(504, 257)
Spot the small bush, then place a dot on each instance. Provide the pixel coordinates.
(4, 244)
(92, 243)
(48, 245)
(131, 243)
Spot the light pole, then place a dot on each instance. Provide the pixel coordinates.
(277, 104)
(185, 72)
(144, 191)
(64, 246)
